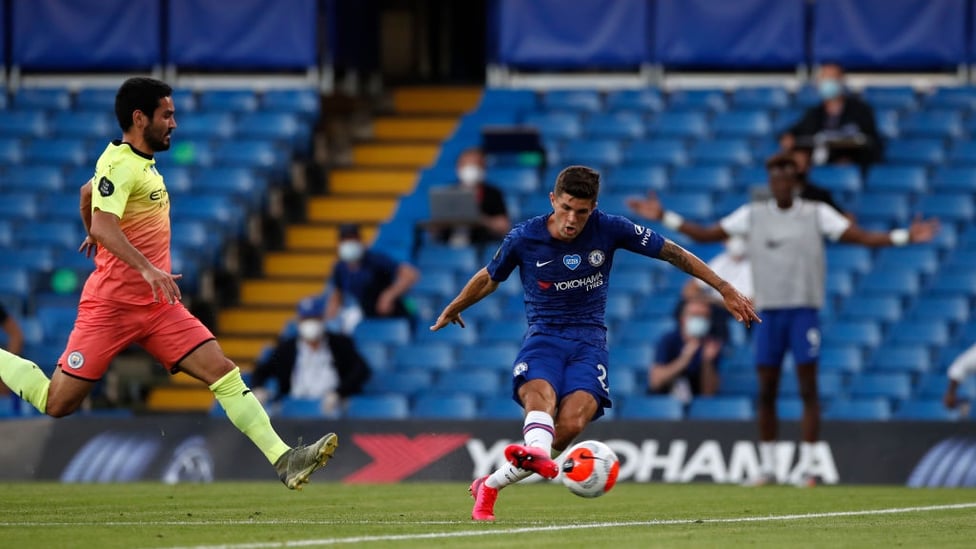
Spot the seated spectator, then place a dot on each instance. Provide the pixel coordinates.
(495, 223)
(15, 339)
(314, 364)
(686, 359)
(841, 128)
(374, 280)
(963, 365)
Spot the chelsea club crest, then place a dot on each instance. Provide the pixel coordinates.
(596, 258)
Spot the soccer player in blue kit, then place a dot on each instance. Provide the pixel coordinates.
(560, 375)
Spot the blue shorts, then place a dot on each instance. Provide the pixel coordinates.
(796, 329)
(566, 364)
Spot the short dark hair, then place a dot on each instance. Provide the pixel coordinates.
(781, 161)
(578, 182)
(139, 94)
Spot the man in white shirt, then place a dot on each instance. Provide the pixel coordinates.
(963, 365)
(785, 244)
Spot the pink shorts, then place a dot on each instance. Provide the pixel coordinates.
(104, 328)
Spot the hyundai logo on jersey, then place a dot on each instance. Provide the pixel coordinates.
(572, 261)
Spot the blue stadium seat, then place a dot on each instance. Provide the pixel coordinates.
(785, 118)
(587, 101)
(14, 281)
(377, 356)
(643, 331)
(806, 96)
(395, 331)
(615, 125)
(483, 382)
(424, 356)
(900, 358)
(888, 385)
(185, 100)
(514, 179)
(863, 333)
(920, 332)
(633, 282)
(50, 99)
(237, 182)
(17, 207)
(635, 179)
(773, 97)
(647, 100)
(502, 331)
(211, 207)
(884, 207)
(679, 124)
(400, 382)
(939, 124)
(656, 151)
(924, 410)
(694, 205)
(837, 178)
(741, 384)
(915, 152)
(249, 154)
(789, 409)
(57, 152)
(933, 385)
(839, 283)
(556, 125)
(437, 283)
(887, 123)
(43, 179)
(63, 234)
(886, 177)
(697, 99)
(636, 357)
(304, 101)
(620, 306)
(724, 152)
(23, 124)
(721, 408)
(301, 408)
(896, 97)
(747, 177)
(206, 125)
(377, 407)
(941, 308)
(444, 407)
(955, 207)
(271, 125)
(849, 258)
(38, 259)
(498, 356)
(904, 283)
(434, 257)
(841, 359)
(499, 407)
(951, 98)
(872, 409)
(953, 283)
(698, 178)
(473, 123)
(11, 151)
(184, 152)
(872, 308)
(96, 99)
(921, 259)
(455, 335)
(662, 408)
(742, 124)
(228, 100)
(955, 179)
(962, 152)
(87, 125)
(602, 153)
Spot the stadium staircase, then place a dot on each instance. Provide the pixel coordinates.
(383, 168)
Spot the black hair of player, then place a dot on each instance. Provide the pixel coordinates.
(579, 182)
(139, 94)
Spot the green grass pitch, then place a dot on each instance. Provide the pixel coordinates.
(259, 515)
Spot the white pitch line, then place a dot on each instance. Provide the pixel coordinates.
(557, 528)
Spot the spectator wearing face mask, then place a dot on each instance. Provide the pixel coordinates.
(376, 282)
(686, 359)
(833, 125)
(495, 222)
(314, 364)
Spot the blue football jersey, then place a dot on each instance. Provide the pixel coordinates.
(566, 282)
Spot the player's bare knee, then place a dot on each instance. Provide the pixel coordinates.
(60, 409)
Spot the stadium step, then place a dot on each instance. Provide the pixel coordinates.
(322, 238)
(412, 155)
(299, 264)
(179, 398)
(439, 100)
(372, 182)
(244, 349)
(278, 292)
(435, 129)
(350, 210)
(254, 321)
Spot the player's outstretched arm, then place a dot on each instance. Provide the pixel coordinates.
(106, 231)
(650, 207)
(921, 230)
(737, 304)
(474, 291)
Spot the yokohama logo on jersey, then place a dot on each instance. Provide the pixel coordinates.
(587, 283)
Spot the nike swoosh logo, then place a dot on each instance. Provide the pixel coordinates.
(543, 263)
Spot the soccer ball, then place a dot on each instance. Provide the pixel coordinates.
(590, 469)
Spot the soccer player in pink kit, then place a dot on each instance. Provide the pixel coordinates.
(132, 297)
(560, 377)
